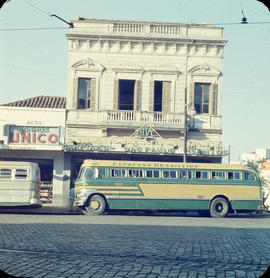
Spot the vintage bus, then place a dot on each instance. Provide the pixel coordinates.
(19, 184)
(215, 189)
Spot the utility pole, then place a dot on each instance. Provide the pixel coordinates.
(185, 126)
(229, 156)
(185, 113)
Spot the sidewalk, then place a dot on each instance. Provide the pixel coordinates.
(45, 209)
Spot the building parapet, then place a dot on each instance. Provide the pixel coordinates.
(145, 29)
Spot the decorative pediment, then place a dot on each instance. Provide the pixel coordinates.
(204, 69)
(145, 132)
(88, 65)
(127, 67)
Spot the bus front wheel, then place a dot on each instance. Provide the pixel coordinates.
(96, 205)
(219, 207)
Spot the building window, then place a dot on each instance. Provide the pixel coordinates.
(86, 93)
(126, 94)
(160, 96)
(201, 99)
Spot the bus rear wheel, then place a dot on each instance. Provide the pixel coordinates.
(95, 206)
(219, 207)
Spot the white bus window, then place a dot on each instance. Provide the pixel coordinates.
(88, 173)
(149, 174)
(5, 173)
(21, 174)
(186, 175)
(234, 175)
(156, 174)
(118, 173)
(166, 174)
(201, 175)
(218, 175)
(173, 174)
(204, 175)
(249, 176)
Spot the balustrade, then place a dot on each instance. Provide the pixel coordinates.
(137, 118)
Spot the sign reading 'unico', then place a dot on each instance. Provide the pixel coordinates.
(29, 135)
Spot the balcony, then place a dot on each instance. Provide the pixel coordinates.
(135, 119)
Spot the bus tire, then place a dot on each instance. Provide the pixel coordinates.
(96, 205)
(219, 207)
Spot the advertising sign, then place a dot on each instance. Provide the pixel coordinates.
(33, 135)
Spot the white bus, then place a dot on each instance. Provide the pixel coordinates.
(19, 184)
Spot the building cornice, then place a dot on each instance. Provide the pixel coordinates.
(152, 47)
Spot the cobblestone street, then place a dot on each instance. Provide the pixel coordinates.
(80, 246)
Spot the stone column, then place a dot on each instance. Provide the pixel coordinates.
(61, 179)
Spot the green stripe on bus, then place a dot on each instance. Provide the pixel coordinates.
(159, 204)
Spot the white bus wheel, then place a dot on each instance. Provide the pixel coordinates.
(219, 207)
(96, 205)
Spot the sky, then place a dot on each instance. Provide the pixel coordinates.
(34, 62)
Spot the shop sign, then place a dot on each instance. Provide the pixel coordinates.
(87, 147)
(33, 135)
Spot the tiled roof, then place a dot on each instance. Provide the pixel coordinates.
(40, 102)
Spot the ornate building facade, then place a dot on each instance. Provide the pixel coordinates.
(134, 87)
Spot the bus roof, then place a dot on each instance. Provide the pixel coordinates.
(16, 163)
(157, 164)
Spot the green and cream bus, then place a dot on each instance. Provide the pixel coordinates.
(19, 184)
(207, 188)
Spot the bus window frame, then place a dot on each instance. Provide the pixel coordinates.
(169, 174)
(5, 177)
(187, 176)
(18, 176)
(215, 175)
(229, 177)
(249, 174)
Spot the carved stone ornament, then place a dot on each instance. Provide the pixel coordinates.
(88, 65)
(127, 67)
(204, 69)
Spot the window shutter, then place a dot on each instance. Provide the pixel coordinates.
(166, 96)
(190, 97)
(75, 94)
(213, 99)
(151, 96)
(115, 94)
(138, 95)
(93, 94)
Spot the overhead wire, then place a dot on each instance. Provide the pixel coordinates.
(61, 28)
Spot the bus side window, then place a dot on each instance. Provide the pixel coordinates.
(218, 175)
(173, 174)
(201, 175)
(186, 175)
(249, 176)
(198, 174)
(236, 175)
(149, 174)
(21, 174)
(156, 174)
(166, 174)
(100, 173)
(5, 173)
(135, 173)
(230, 175)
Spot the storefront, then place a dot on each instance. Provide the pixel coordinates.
(37, 134)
